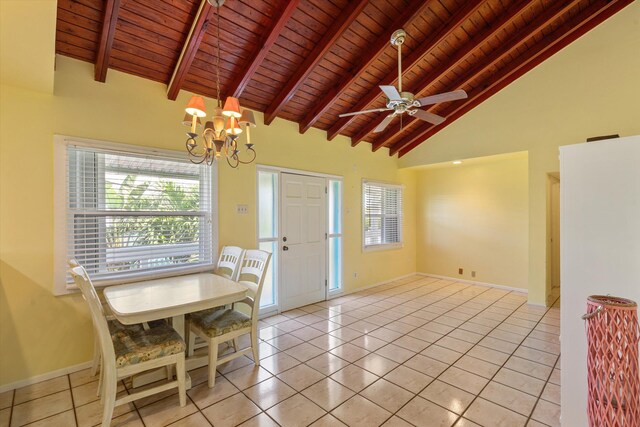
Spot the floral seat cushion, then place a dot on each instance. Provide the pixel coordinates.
(220, 321)
(201, 313)
(115, 327)
(134, 344)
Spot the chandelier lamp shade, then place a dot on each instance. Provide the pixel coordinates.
(188, 118)
(232, 107)
(220, 134)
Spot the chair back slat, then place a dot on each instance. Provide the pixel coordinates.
(82, 281)
(229, 262)
(252, 274)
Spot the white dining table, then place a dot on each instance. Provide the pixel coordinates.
(171, 297)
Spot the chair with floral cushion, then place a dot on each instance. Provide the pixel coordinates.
(114, 325)
(222, 324)
(127, 351)
(228, 263)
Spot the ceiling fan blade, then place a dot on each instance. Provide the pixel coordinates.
(391, 92)
(373, 110)
(427, 116)
(384, 123)
(441, 97)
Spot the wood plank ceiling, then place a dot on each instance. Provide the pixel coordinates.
(310, 60)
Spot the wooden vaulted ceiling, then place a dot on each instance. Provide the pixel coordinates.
(310, 60)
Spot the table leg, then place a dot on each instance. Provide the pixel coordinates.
(178, 325)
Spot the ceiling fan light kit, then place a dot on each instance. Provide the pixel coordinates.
(401, 102)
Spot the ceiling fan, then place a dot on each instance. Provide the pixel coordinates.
(404, 102)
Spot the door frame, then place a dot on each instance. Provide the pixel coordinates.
(552, 178)
(276, 308)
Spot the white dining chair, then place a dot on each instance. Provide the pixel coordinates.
(128, 351)
(228, 266)
(113, 326)
(96, 362)
(222, 324)
(229, 261)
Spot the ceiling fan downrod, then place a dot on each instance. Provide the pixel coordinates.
(397, 39)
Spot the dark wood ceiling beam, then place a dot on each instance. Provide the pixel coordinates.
(340, 24)
(421, 87)
(571, 30)
(190, 48)
(414, 57)
(371, 54)
(238, 85)
(514, 42)
(109, 20)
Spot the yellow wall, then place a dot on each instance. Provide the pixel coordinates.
(27, 43)
(42, 332)
(589, 88)
(474, 216)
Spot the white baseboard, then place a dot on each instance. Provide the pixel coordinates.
(537, 304)
(363, 288)
(85, 365)
(46, 376)
(473, 282)
(339, 294)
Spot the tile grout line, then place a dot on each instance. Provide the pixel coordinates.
(430, 344)
(540, 397)
(46, 395)
(378, 327)
(73, 402)
(475, 344)
(429, 321)
(135, 407)
(463, 354)
(503, 365)
(13, 400)
(435, 320)
(350, 363)
(409, 290)
(513, 310)
(328, 351)
(544, 387)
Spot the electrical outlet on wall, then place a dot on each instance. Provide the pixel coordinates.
(460, 270)
(242, 209)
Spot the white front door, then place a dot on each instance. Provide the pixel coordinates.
(303, 249)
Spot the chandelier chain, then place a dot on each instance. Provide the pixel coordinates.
(218, 140)
(218, 54)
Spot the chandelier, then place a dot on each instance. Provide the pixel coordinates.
(220, 135)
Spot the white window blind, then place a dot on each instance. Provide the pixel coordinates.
(130, 215)
(382, 215)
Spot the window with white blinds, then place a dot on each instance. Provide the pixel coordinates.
(130, 215)
(382, 215)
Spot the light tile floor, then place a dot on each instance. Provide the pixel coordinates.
(419, 351)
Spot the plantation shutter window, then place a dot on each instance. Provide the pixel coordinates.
(131, 216)
(382, 215)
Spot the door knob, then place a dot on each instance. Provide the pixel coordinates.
(285, 248)
(284, 239)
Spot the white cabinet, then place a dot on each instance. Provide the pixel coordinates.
(600, 248)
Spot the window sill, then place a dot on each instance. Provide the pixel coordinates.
(69, 288)
(387, 247)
